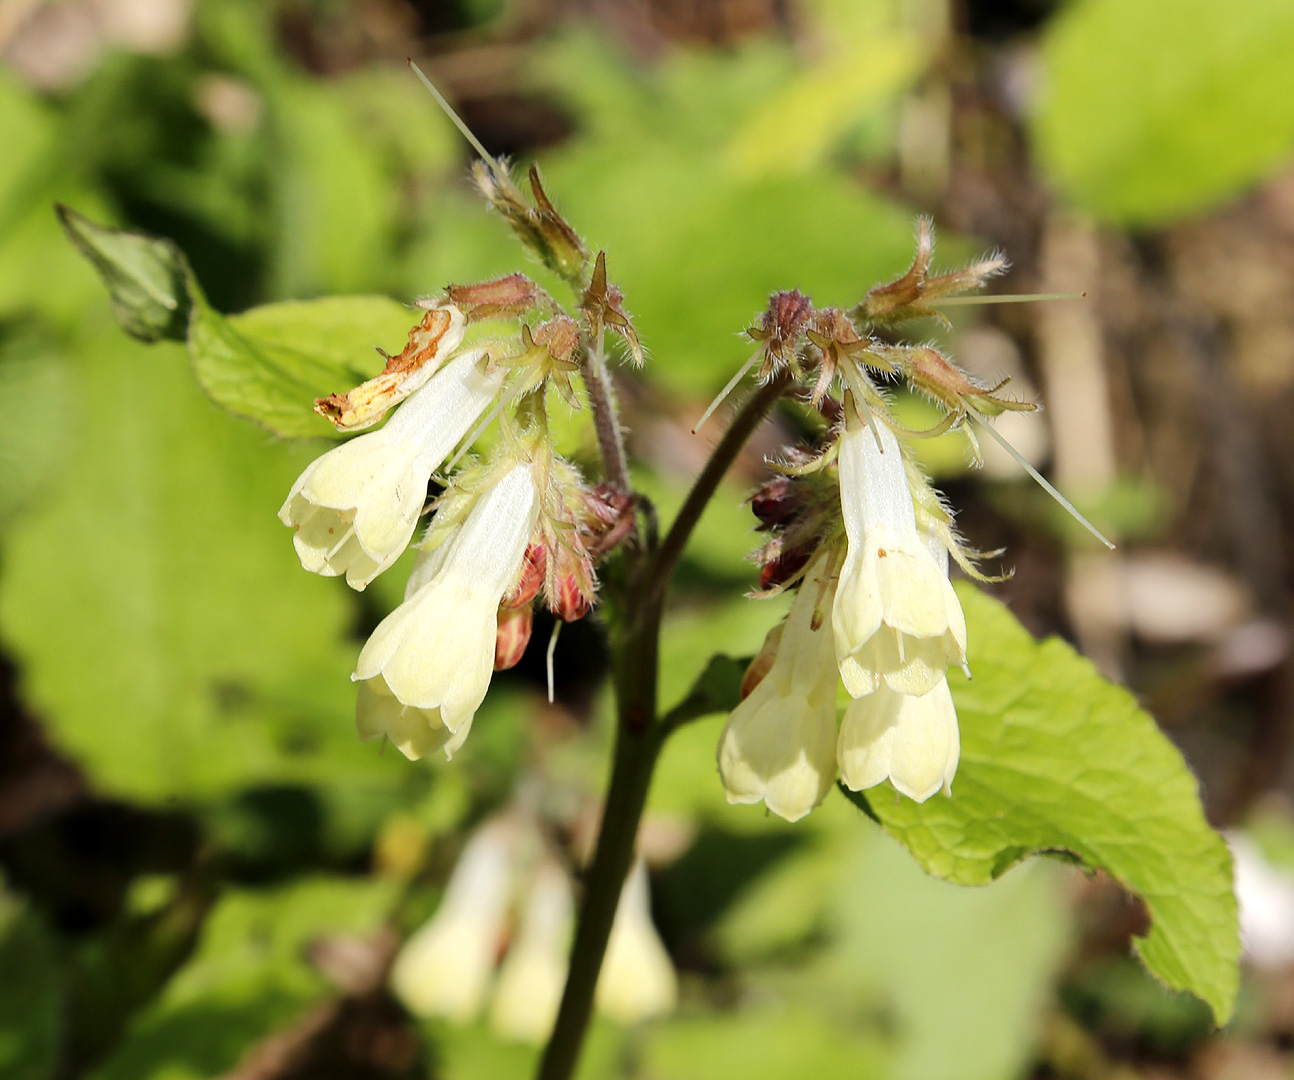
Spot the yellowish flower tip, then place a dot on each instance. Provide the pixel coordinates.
(354, 510)
(638, 981)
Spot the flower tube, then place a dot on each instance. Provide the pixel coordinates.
(355, 508)
(779, 744)
(896, 620)
(529, 989)
(445, 968)
(638, 980)
(433, 655)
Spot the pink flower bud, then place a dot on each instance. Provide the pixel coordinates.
(532, 577)
(568, 601)
(512, 635)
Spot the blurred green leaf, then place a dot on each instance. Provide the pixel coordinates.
(964, 975)
(164, 630)
(1054, 758)
(763, 1043)
(796, 128)
(1153, 111)
(248, 978)
(147, 278)
(35, 386)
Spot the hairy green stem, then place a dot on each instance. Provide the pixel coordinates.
(606, 419)
(639, 738)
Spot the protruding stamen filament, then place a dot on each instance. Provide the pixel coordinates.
(1069, 506)
(1004, 298)
(486, 156)
(552, 648)
(723, 394)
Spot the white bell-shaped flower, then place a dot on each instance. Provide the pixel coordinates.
(779, 744)
(445, 968)
(355, 508)
(529, 988)
(638, 980)
(912, 741)
(896, 618)
(433, 655)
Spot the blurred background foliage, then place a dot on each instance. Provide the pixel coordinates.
(203, 869)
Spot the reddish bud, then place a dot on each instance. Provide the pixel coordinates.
(612, 514)
(775, 503)
(512, 635)
(532, 577)
(567, 600)
(780, 570)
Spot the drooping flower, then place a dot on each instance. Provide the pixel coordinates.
(355, 508)
(913, 741)
(445, 968)
(638, 980)
(529, 989)
(779, 744)
(434, 655)
(896, 619)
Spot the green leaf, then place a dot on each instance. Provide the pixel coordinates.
(1154, 111)
(165, 631)
(269, 364)
(147, 278)
(31, 993)
(1055, 758)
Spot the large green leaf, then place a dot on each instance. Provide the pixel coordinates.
(164, 630)
(1152, 111)
(1057, 759)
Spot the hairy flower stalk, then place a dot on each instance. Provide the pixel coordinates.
(355, 509)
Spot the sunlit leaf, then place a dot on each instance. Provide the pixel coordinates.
(1152, 112)
(1055, 758)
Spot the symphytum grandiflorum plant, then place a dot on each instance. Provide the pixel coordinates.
(1037, 754)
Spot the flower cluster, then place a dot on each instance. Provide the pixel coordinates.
(868, 541)
(507, 893)
(516, 526)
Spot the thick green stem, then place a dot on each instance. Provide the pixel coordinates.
(631, 772)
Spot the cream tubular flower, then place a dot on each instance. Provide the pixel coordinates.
(779, 744)
(896, 619)
(530, 983)
(431, 659)
(638, 980)
(445, 968)
(912, 741)
(355, 508)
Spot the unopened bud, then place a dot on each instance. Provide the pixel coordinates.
(612, 512)
(512, 295)
(763, 661)
(779, 329)
(532, 577)
(568, 601)
(783, 568)
(560, 335)
(512, 635)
